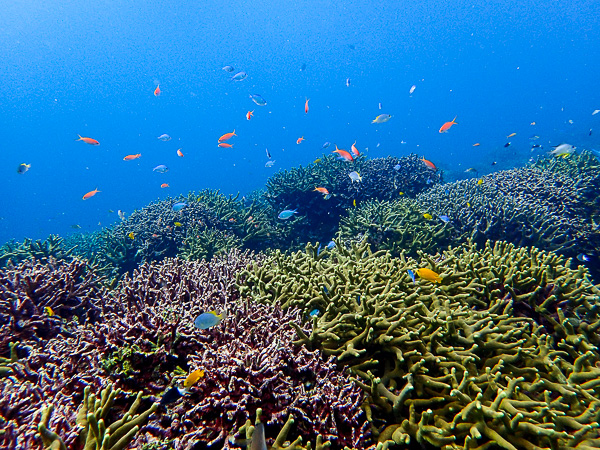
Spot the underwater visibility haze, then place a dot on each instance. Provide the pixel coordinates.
(378, 219)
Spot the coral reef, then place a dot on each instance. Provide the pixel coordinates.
(36, 297)
(206, 243)
(397, 226)
(524, 206)
(51, 247)
(449, 364)
(318, 218)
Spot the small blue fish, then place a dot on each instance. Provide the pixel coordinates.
(179, 206)
(315, 312)
(325, 145)
(583, 257)
(207, 320)
(228, 69)
(283, 215)
(397, 167)
(330, 246)
(258, 99)
(358, 300)
(164, 137)
(270, 163)
(411, 274)
(239, 76)
(447, 192)
(445, 218)
(161, 169)
(327, 197)
(325, 291)
(319, 250)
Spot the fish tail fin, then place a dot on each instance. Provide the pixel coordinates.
(80, 138)
(454, 120)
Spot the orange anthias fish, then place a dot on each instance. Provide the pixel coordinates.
(477, 144)
(132, 157)
(249, 115)
(444, 128)
(227, 136)
(429, 164)
(299, 140)
(193, 378)
(225, 145)
(428, 274)
(511, 135)
(157, 90)
(322, 190)
(90, 194)
(306, 106)
(344, 154)
(164, 185)
(354, 149)
(179, 153)
(88, 140)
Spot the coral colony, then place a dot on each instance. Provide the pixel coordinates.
(442, 315)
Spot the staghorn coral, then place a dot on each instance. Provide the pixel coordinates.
(397, 226)
(71, 289)
(318, 218)
(524, 206)
(52, 247)
(450, 364)
(206, 243)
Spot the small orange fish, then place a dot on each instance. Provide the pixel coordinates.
(477, 144)
(354, 149)
(322, 190)
(164, 185)
(249, 115)
(88, 140)
(429, 164)
(511, 135)
(306, 106)
(157, 90)
(90, 194)
(132, 157)
(299, 140)
(227, 136)
(225, 145)
(428, 274)
(193, 378)
(344, 154)
(232, 220)
(444, 128)
(179, 153)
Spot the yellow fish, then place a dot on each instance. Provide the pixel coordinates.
(317, 161)
(193, 378)
(401, 193)
(480, 181)
(48, 311)
(354, 203)
(428, 274)
(178, 224)
(131, 236)
(468, 204)
(511, 135)
(428, 216)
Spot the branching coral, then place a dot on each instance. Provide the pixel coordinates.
(448, 364)
(206, 243)
(397, 226)
(52, 247)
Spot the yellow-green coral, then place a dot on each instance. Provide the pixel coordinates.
(449, 364)
(95, 434)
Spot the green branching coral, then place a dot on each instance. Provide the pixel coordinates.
(206, 243)
(467, 362)
(53, 246)
(397, 226)
(95, 433)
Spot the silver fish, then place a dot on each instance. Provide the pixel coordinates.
(164, 137)
(258, 99)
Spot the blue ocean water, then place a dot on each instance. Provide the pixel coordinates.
(90, 68)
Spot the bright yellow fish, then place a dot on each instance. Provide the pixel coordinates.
(428, 216)
(48, 311)
(354, 203)
(428, 274)
(401, 193)
(480, 181)
(178, 224)
(193, 378)
(468, 204)
(131, 236)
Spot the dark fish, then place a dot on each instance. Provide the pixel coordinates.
(303, 67)
(494, 163)
(23, 168)
(507, 144)
(171, 396)
(268, 154)
(590, 133)
(351, 46)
